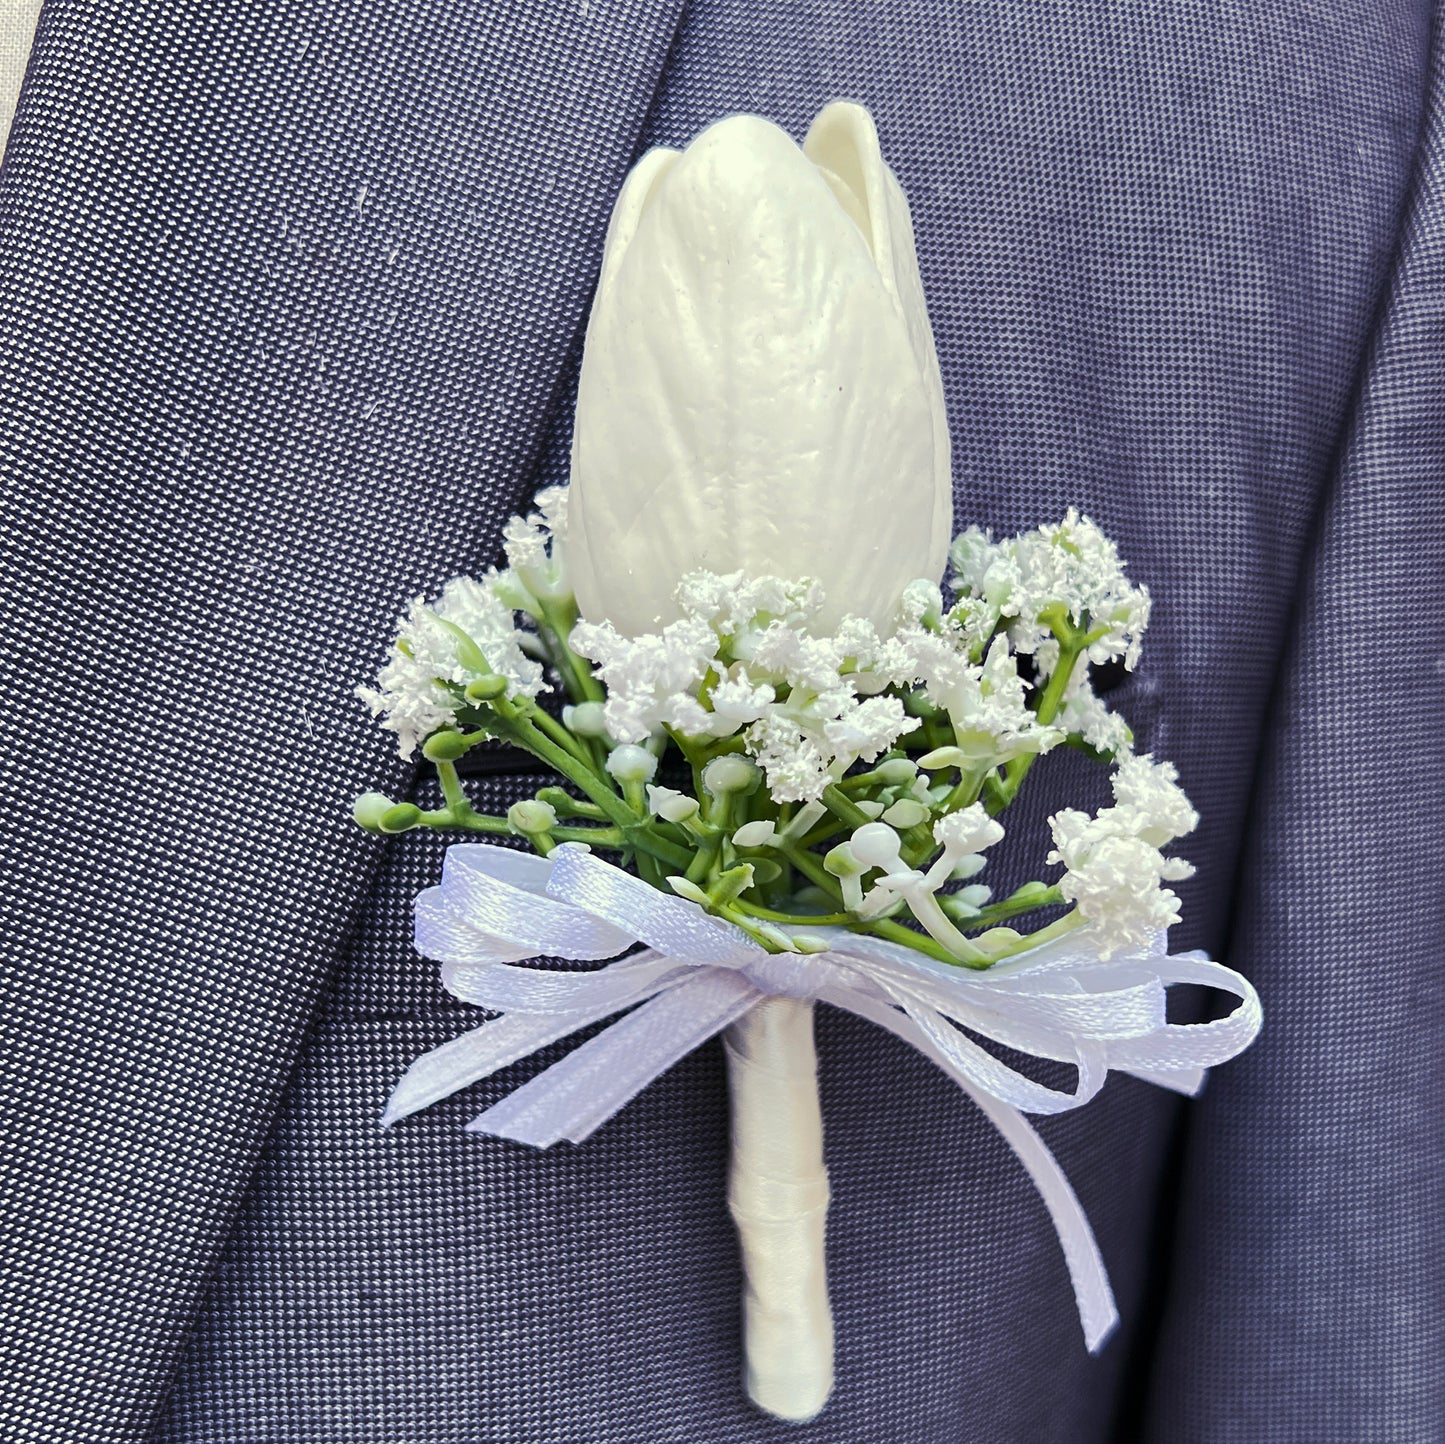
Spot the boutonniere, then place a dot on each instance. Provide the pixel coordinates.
(782, 750)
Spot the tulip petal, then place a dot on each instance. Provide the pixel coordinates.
(636, 191)
(753, 396)
(844, 139)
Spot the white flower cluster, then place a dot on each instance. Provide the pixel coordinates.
(536, 570)
(742, 660)
(1086, 715)
(987, 704)
(1071, 565)
(410, 697)
(1114, 866)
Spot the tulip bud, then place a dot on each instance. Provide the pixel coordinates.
(759, 389)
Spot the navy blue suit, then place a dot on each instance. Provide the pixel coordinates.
(292, 302)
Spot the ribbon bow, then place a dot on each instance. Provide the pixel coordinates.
(496, 906)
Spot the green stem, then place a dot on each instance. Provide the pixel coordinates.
(1014, 906)
(608, 837)
(812, 868)
(1050, 700)
(540, 717)
(577, 676)
(520, 729)
(468, 821)
(966, 789)
(1056, 929)
(513, 723)
(457, 801)
(815, 920)
(823, 833)
(843, 807)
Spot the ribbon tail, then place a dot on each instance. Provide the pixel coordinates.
(480, 1053)
(577, 1095)
(1188, 1081)
(1097, 1311)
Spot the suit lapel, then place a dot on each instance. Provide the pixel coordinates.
(286, 295)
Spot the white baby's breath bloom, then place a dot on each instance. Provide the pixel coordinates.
(1114, 868)
(741, 662)
(921, 604)
(971, 555)
(736, 703)
(645, 674)
(536, 568)
(968, 830)
(963, 836)
(986, 703)
(867, 729)
(1084, 713)
(1073, 565)
(795, 765)
(1115, 879)
(409, 696)
(734, 602)
(1149, 795)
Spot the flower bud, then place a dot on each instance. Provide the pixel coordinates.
(445, 746)
(842, 861)
(585, 719)
(683, 887)
(486, 689)
(876, 845)
(670, 804)
(897, 771)
(529, 817)
(755, 834)
(631, 763)
(370, 808)
(401, 818)
(906, 812)
(731, 773)
(759, 389)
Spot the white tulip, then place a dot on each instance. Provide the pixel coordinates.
(759, 391)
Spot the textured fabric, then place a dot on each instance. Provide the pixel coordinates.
(1320, 1157)
(278, 287)
(1143, 305)
(1154, 240)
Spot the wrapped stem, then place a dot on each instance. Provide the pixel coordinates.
(778, 1196)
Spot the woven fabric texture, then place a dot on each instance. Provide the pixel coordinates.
(1320, 1157)
(1154, 244)
(289, 299)
(285, 297)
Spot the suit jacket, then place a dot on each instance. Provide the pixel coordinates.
(291, 299)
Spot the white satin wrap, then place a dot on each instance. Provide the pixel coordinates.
(778, 1196)
(698, 975)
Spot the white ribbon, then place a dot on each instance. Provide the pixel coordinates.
(697, 974)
